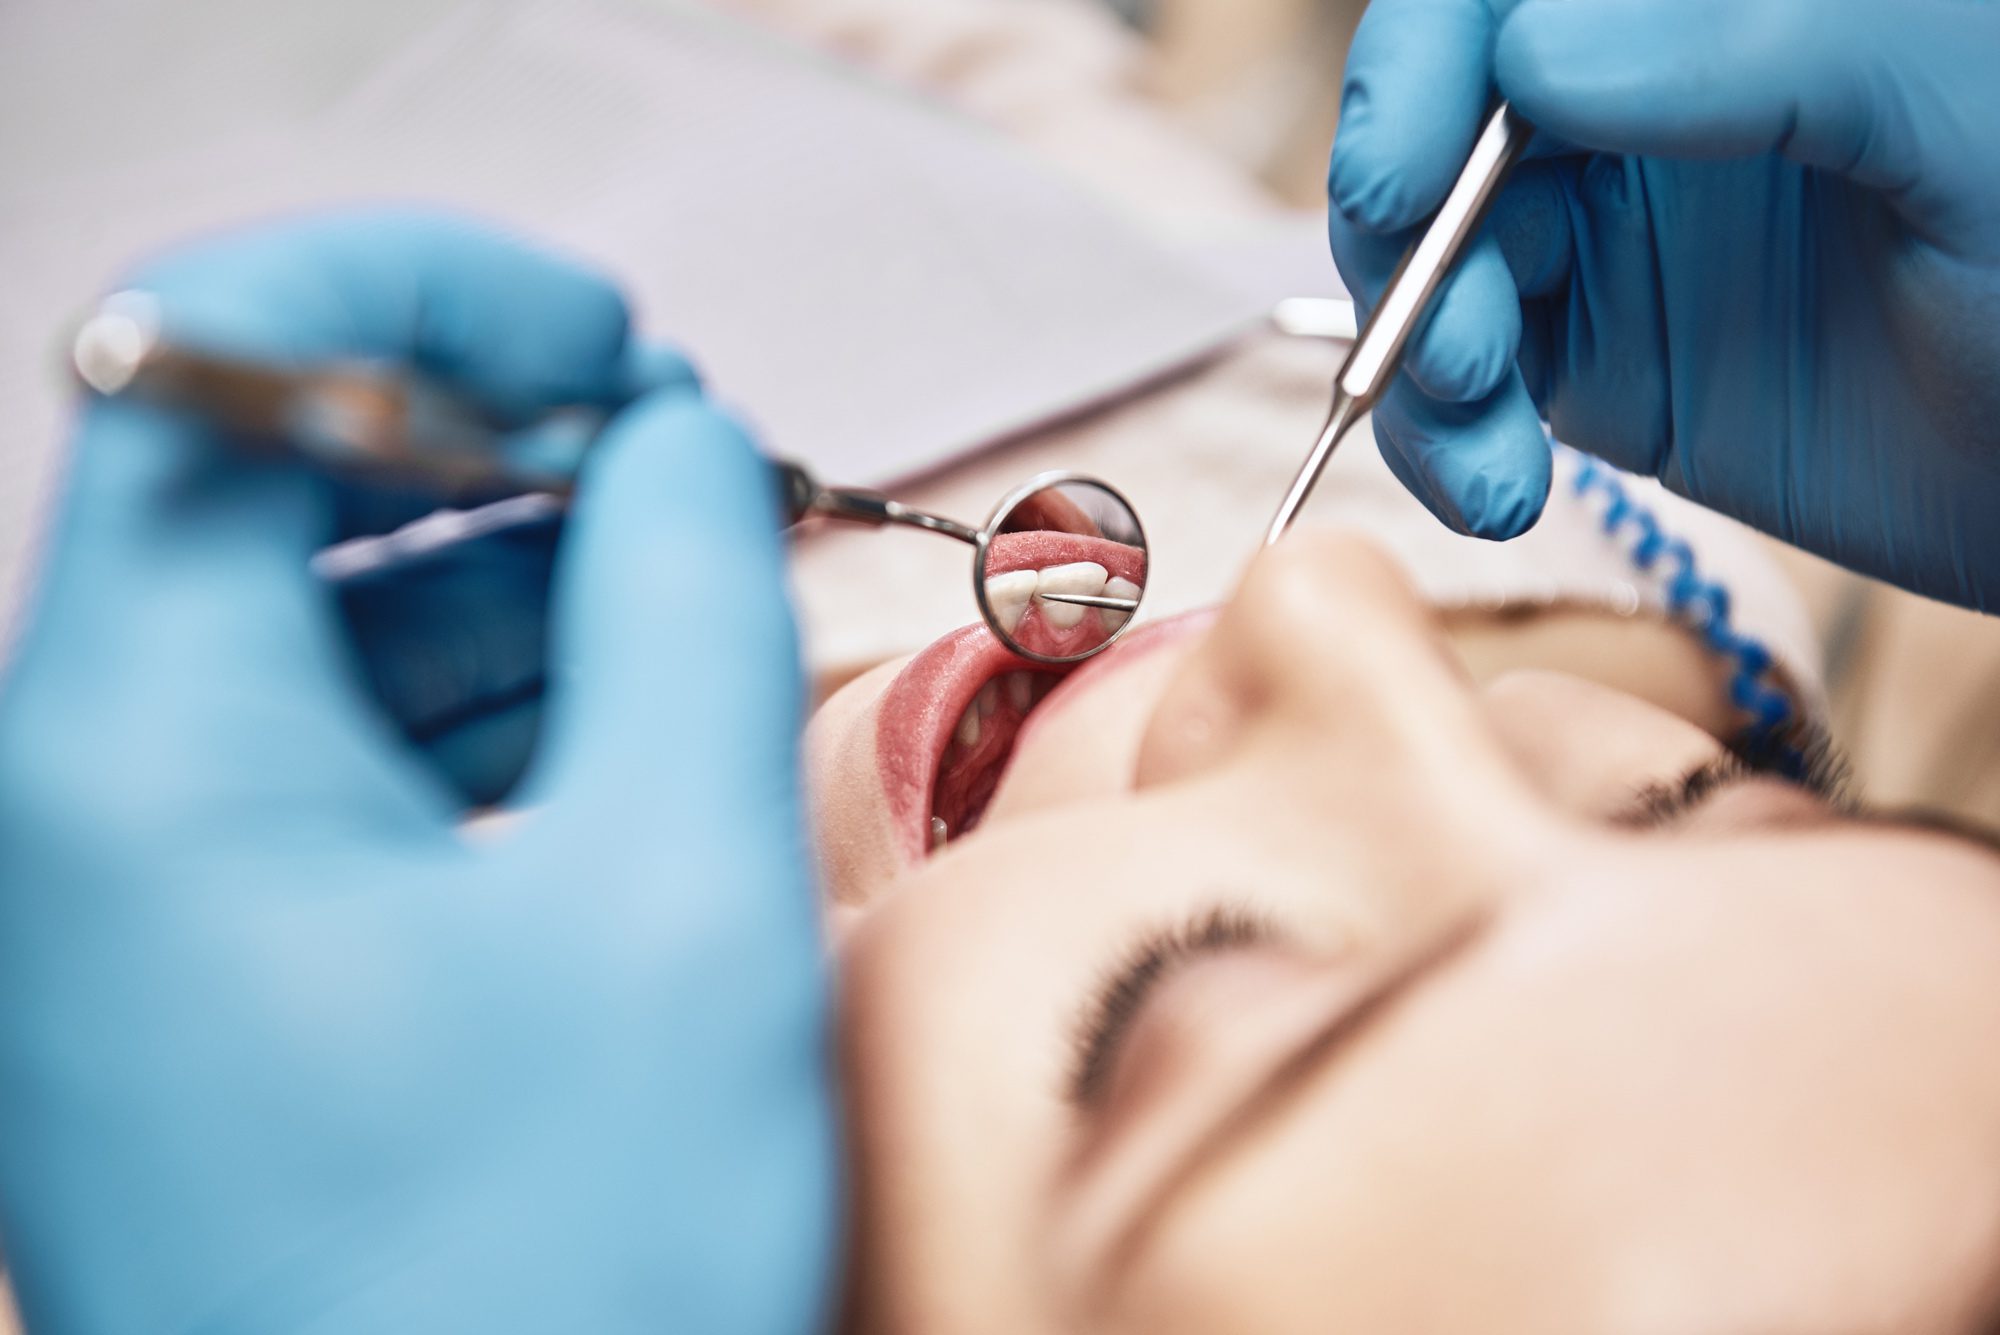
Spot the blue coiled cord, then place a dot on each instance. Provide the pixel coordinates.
(1700, 603)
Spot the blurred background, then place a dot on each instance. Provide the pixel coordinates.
(1191, 134)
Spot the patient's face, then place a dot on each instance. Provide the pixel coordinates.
(1291, 982)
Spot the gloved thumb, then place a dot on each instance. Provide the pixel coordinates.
(674, 676)
(1855, 87)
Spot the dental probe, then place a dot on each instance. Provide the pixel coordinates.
(1377, 353)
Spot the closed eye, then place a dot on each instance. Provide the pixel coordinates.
(1661, 806)
(1120, 999)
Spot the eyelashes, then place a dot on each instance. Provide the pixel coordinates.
(1116, 1006)
(1659, 805)
(1825, 775)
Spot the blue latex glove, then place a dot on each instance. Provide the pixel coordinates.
(1757, 255)
(280, 1048)
(453, 646)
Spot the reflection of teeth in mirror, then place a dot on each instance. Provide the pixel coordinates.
(1076, 577)
(1008, 595)
(1117, 587)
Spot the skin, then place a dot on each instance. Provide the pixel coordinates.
(1503, 1063)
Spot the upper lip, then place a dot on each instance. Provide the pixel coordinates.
(1009, 552)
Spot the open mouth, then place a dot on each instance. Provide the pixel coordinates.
(946, 733)
(976, 755)
(949, 721)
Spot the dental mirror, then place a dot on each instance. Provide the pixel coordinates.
(1057, 571)
(1060, 568)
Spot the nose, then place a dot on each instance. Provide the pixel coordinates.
(1324, 635)
(1329, 673)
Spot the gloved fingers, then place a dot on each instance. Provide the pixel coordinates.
(1482, 468)
(176, 632)
(1466, 341)
(177, 587)
(1414, 93)
(1605, 382)
(649, 366)
(1537, 360)
(674, 675)
(1856, 88)
(518, 330)
(1530, 223)
(454, 649)
(452, 646)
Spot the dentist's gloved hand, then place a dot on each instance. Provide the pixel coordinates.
(281, 1049)
(1757, 254)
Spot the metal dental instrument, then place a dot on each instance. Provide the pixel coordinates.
(357, 418)
(1377, 353)
(372, 421)
(1087, 522)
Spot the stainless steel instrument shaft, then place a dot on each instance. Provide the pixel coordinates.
(1378, 349)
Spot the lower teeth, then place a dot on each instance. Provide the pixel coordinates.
(1022, 690)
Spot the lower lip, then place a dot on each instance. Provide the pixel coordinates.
(921, 708)
(918, 714)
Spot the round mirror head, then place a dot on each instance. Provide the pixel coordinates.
(1060, 568)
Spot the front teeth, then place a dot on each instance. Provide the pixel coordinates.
(1008, 595)
(1077, 577)
(1117, 587)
